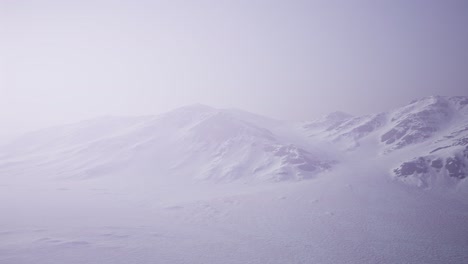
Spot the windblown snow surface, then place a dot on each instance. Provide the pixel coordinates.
(204, 185)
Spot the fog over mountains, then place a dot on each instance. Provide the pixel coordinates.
(378, 188)
(428, 137)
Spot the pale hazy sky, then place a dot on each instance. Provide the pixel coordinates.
(69, 60)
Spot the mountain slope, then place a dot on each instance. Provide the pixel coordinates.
(427, 139)
(204, 185)
(422, 143)
(193, 142)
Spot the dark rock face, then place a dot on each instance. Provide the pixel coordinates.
(392, 135)
(412, 167)
(437, 163)
(439, 148)
(463, 101)
(456, 142)
(462, 141)
(455, 167)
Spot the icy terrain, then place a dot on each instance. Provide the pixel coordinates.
(206, 185)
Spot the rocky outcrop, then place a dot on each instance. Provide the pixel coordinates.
(454, 166)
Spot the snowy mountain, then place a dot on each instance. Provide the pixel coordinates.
(428, 138)
(194, 142)
(440, 125)
(205, 185)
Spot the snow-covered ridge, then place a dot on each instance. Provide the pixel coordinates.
(439, 127)
(196, 142)
(421, 142)
(427, 137)
(143, 189)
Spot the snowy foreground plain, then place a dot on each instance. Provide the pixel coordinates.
(203, 185)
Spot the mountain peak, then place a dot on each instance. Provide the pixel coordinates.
(197, 107)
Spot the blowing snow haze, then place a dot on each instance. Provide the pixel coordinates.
(65, 61)
(233, 132)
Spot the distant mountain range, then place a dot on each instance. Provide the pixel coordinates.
(424, 143)
(428, 137)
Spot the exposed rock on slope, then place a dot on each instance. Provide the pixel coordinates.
(192, 142)
(432, 132)
(423, 142)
